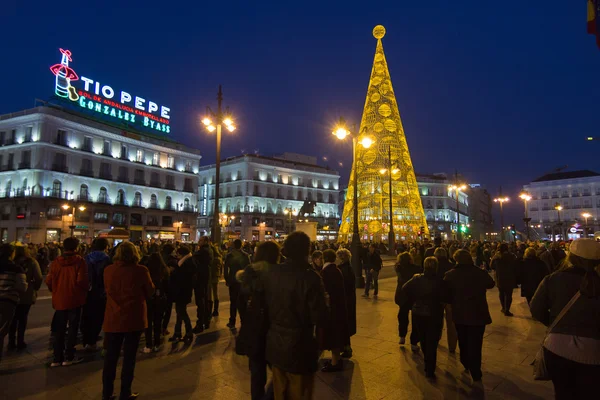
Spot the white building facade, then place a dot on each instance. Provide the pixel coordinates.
(51, 158)
(439, 204)
(568, 196)
(261, 197)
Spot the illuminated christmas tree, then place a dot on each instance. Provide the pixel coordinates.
(388, 155)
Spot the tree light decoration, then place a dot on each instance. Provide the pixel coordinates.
(381, 120)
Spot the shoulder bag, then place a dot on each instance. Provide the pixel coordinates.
(540, 371)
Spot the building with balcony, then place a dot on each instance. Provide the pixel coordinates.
(439, 204)
(261, 197)
(576, 192)
(50, 158)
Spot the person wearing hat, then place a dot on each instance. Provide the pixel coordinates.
(572, 347)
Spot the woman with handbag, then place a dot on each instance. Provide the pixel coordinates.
(568, 301)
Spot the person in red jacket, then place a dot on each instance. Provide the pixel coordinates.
(68, 282)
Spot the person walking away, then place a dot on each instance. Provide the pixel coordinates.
(251, 340)
(437, 243)
(181, 286)
(170, 260)
(505, 265)
(372, 265)
(235, 261)
(444, 265)
(92, 316)
(546, 256)
(343, 263)
(532, 271)
(466, 287)
(317, 260)
(216, 268)
(295, 301)
(13, 284)
(203, 259)
(68, 281)
(128, 286)
(335, 330)
(572, 347)
(159, 273)
(405, 270)
(424, 292)
(34, 279)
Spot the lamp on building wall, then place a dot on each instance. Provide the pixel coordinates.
(341, 131)
(220, 119)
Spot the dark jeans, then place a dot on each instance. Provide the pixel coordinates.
(234, 292)
(62, 320)
(429, 330)
(470, 341)
(201, 304)
(505, 299)
(129, 341)
(92, 318)
(372, 279)
(572, 380)
(403, 324)
(19, 324)
(168, 308)
(155, 308)
(182, 316)
(258, 379)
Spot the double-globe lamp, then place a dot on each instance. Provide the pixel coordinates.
(341, 131)
(66, 207)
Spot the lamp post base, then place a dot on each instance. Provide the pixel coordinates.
(355, 249)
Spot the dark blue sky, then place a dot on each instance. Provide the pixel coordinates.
(501, 91)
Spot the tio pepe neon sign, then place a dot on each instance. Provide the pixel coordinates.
(101, 98)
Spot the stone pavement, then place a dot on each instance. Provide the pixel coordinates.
(380, 368)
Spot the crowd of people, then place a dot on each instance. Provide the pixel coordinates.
(296, 301)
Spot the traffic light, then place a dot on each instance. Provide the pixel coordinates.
(512, 230)
(463, 228)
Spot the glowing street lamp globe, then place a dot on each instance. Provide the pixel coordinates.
(340, 133)
(366, 142)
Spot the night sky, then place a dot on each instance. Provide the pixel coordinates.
(501, 91)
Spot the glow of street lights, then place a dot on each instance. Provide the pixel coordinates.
(81, 208)
(457, 187)
(65, 206)
(395, 171)
(586, 215)
(366, 142)
(211, 128)
(382, 171)
(340, 133)
(558, 207)
(525, 196)
(207, 121)
(228, 121)
(501, 200)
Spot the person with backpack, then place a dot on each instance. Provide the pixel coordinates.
(33, 275)
(252, 337)
(13, 284)
(93, 312)
(235, 261)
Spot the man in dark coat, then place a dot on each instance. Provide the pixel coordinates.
(335, 330)
(92, 316)
(203, 258)
(466, 292)
(181, 286)
(166, 252)
(235, 261)
(372, 265)
(505, 265)
(531, 271)
(344, 256)
(295, 300)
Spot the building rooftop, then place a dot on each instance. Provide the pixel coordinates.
(285, 162)
(557, 176)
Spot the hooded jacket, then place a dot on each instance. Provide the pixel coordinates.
(96, 262)
(12, 282)
(68, 281)
(34, 279)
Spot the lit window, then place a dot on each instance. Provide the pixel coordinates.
(155, 159)
(139, 155)
(170, 162)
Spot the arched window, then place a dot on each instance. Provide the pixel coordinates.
(83, 192)
(186, 203)
(153, 201)
(103, 195)
(8, 188)
(121, 197)
(137, 199)
(168, 203)
(56, 188)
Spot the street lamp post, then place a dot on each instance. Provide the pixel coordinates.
(341, 132)
(501, 201)
(290, 213)
(558, 208)
(390, 171)
(72, 227)
(525, 197)
(220, 119)
(457, 189)
(586, 216)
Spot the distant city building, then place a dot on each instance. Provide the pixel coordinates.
(480, 213)
(576, 192)
(51, 158)
(439, 204)
(262, 197)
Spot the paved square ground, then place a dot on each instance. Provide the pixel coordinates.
(380, 368)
